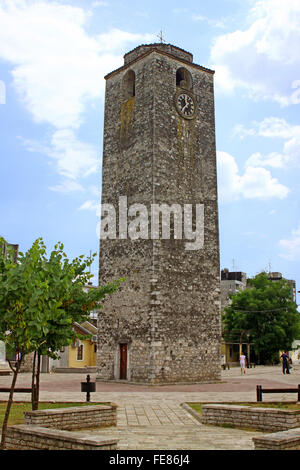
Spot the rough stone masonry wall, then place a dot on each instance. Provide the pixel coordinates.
(50, 429)
(186, 312)
(73, 418)
(168, 310)
(127, 171)
(266, 419)
(284, 440)
(27, 437)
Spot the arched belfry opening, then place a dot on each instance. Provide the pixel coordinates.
(184, 79)
(129, 85)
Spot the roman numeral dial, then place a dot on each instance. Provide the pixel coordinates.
(185, 105)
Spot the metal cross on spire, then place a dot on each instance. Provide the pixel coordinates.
(160, 36)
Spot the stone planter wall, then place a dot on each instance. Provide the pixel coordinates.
(266, 419)
(74, 417)
(50, 429)
(283, 440)
(24, 437)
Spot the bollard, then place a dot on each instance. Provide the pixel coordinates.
(258, 393)
(88, 387)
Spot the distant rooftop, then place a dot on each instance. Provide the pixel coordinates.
(227, 275)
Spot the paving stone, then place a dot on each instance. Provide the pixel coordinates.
(155, 420)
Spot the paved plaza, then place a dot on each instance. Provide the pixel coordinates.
(152, 417)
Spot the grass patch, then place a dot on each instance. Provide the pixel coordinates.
(196, 407)
(227, 425)
(17, 410)
(279, 405)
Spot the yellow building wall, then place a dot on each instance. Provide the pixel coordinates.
(88, 358)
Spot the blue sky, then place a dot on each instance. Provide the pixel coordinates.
(53, 58)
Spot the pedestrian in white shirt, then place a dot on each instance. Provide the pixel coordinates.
(243, 363)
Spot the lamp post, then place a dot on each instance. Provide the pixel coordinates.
(248, 349)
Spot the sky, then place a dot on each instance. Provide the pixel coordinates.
(53, 59)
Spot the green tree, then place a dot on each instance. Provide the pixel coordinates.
(267, 313)
(40, 299)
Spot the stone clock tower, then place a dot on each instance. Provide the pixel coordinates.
(163, 324)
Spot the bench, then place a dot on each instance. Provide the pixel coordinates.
(16, 390)
(260, 391)
(20, 390)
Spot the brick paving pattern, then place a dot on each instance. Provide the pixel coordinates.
(153, 417)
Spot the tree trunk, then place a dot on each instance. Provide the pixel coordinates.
(9, 403)
(35, 383)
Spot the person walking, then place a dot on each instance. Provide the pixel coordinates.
(243, 363)
(285, 362)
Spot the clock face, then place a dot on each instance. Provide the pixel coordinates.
(185, 105)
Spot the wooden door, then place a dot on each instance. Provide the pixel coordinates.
(123, 361)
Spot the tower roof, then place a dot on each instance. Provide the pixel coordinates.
(168, 48)
(165, 49)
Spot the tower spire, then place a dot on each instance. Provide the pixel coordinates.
(160, 36)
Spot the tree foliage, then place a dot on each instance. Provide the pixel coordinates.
(40, 299)
(266, 314)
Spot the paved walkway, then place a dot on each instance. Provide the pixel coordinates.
(152, 417)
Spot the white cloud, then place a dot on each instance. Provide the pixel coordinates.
(58, 69)
(116, 38)
(209, 21)
(241, 131)
(270, 127)
(273, 159)
(57, 66)
(91, 205)
(95, 190)
(228, 178)
(88, 206)
(67, 186)
(279, 128)
(99, 4)
(255, 183)
(188, 13)
(2, 92)
(73, 159)
(263, 59)
(55, 63)
(291, 246)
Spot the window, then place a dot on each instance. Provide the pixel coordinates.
(129, 85)
(184, 79)
(80, 352)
